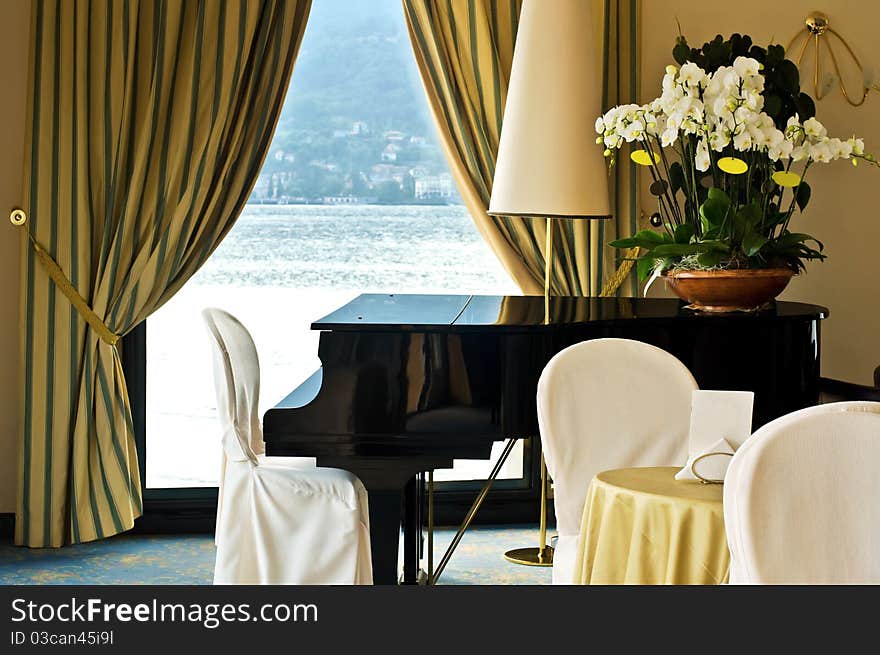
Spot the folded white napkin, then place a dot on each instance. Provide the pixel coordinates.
(719, 415)
(712, 467)
(720, 422)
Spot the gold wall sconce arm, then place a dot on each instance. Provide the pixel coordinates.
(818, 30)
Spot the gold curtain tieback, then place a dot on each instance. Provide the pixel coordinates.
(622, 272)
(18, 217)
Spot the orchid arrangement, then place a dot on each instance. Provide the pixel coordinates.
(728, 144)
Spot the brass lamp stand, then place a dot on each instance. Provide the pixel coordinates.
(548, 164)
(543, 554)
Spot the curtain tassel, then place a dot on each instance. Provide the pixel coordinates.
(18, 218)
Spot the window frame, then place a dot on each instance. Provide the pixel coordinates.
(193, 509)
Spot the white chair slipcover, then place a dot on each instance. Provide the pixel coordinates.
(248, 363)
(606, 404)
(277, 523)
(802, 499)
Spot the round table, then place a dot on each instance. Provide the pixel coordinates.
(642, 526)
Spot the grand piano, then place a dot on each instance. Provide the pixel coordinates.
(410, 382)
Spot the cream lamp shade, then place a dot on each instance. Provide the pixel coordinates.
(548, 162)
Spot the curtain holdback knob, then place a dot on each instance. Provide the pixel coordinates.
(17, 216)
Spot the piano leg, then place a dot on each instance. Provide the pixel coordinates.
(385, 524)
(385, 507)
(411, 531)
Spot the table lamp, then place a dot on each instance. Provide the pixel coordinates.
(548, 163)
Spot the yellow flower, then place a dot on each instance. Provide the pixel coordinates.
(733, 165)
(783, 178)
(643, 157)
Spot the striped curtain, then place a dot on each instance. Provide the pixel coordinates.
(149, 122)
(464, 50)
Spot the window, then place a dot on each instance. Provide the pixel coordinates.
(355, 196)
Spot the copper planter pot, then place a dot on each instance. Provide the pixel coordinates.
(728, 290)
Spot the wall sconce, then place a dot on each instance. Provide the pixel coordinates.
(819, 31)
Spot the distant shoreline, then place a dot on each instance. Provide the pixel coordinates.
(412, 203)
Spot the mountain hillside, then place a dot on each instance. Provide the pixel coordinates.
(355, 124)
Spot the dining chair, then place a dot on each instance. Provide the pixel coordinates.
(606, 404)
(249, 372)
(277, 522)
(801, 499)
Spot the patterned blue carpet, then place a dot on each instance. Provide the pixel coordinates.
(189, 559)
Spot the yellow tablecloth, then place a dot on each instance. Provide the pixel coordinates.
(641, 526)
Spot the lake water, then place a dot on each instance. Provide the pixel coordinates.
(279, 269)
(362, 247)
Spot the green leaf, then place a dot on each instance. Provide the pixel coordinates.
(802, 195)
(799, 252)
(794, 238)
(644, 239)
(709, 259)
(681, 52)
(772, 105)
(745, 220)
(677, 250)
(753, 242)
(775, 54)
(718, 246)
(714, 209)
(683, 233)
(685, 249)
(774, 218)
(790, 77)
(718, 194)
(805, 106)
(750, 214)
(676, 177)
(645, 267)
(710, 232)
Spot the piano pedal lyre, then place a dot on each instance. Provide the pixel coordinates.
(432, 574)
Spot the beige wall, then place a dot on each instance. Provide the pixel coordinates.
(14, 30)
(845, 209)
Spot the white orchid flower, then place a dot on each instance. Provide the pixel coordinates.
(668, 137)
(719, 139)
(781, 150)
(720, 109)
(701, 158)
(746, 67)
(814, 129)
(821, 151)
(774, 137)
(742, 141)
(635, 130)
(801, 152)
(692, 75)
(719, 106)
(858, 146)
(840, 149)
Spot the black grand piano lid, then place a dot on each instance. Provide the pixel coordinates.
(398, 311)
(418, 312)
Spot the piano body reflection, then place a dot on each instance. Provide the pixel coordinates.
(410, 382)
